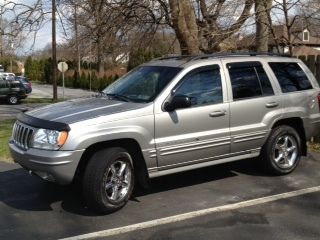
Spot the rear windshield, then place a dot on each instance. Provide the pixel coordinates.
(291, 77)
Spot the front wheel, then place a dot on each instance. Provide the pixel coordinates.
(282, 151)
(108, 180)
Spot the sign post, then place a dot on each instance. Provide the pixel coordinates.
(62, 67)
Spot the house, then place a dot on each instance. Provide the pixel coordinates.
(304, 39)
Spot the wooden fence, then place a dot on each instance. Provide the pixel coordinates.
(313, 63)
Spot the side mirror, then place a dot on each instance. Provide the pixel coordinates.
(178, 101)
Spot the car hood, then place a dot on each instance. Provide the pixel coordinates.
(76, 110)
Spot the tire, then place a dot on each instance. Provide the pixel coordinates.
(281, 153)
(108, 180)
(12, 99)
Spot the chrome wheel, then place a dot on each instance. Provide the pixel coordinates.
(285, 152)
(117, 181)
(13, 100)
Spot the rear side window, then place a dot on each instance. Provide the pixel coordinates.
(3, 84)
(249, 80)
(15, 85)
(290, 76)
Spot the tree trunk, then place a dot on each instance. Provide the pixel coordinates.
(262, 10)
(100, 56)
(185, 25)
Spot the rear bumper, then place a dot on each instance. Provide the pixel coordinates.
(56, 166)
(312, 126)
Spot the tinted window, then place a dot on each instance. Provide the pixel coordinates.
(3, 84)
(290, 76)
(202, 85)
(15, 84)
(249, 80)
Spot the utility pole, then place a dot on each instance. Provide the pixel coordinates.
(11, 53)
(1, 29)
(54, 51)
(76, 36)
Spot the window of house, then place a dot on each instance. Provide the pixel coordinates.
(306, 36)
(249, 80)
(202, 86)
(291, 77)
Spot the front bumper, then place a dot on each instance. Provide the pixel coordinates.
(57, 166)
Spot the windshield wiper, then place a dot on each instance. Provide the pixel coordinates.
(118, 96)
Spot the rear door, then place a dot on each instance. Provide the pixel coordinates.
(3, 88)
(253, 107)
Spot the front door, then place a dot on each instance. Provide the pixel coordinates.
(199, 133)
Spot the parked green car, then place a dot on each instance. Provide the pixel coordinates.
(12, 91)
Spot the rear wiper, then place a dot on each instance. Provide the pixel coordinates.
(118, 96)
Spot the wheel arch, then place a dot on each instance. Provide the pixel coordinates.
(131, 145)
(297, 124)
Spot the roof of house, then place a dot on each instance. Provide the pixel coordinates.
(280, 36)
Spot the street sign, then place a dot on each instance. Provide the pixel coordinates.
(62, 66)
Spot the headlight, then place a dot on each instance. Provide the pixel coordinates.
(49, 139)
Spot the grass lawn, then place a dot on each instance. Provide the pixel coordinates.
(5, 134)
(41, 100)
(315, 147)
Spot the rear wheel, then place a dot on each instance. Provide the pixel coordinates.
(282, 151)
(108, 180)
(12, 99)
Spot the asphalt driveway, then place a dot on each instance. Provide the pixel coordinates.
(39, 91)
(33, 209)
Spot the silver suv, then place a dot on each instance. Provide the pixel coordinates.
(170, 115)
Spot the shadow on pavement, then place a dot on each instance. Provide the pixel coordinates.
(199, 176)
(21, 191)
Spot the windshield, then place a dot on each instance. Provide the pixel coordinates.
(143, 84)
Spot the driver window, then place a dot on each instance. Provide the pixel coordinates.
(202, 86)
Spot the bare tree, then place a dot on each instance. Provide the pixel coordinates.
(285, 14)
(184, 23)
(203, 25)
(262, 11)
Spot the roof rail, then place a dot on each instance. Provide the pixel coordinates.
(174, 56)
(216, 55)
(189, 58)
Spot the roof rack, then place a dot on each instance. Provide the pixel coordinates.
(189, 58)
(174, 56)
(253, 54)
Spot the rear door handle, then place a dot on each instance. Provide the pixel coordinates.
(272, 104)
(218, 113)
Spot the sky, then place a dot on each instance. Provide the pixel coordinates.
(43, 36)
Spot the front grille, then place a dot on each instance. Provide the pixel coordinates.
(22, 135)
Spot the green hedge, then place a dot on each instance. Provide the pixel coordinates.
(83, 81)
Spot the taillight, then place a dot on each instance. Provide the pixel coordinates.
(319, 99)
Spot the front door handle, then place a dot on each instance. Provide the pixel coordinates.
(218, 113)
(272, 104)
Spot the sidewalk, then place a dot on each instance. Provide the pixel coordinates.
(5, 166)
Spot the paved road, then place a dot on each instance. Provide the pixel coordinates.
(32, 209)
(11, 111)
(45, 91)
(39, 91)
